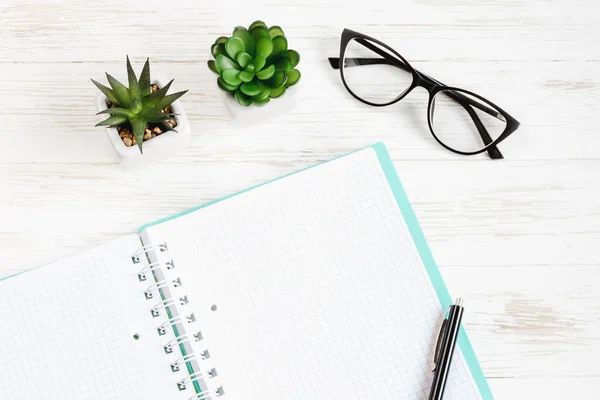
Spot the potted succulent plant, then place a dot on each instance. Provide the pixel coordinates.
(254, 65)
(143, 122)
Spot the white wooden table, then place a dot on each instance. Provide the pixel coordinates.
(519, 238)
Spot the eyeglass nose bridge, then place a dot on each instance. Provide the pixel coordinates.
(425, 82)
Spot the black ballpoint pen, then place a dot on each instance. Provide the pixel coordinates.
(444, 349)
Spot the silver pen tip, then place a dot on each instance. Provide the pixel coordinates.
(459, 302)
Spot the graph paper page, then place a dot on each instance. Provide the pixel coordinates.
(67, 331)
(310, 287)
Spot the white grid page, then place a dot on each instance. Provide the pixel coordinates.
(320, 290)
(63, 335)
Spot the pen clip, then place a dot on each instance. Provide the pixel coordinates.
(438, 341)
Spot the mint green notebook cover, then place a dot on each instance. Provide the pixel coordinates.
(420, 242)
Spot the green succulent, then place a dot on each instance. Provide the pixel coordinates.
(254, 64)
(137, 105)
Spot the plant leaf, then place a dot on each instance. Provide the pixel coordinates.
(234, 46)
(293, 55)
(245, 36)
(144, 81)
(138, 127)
(242, 98)
(224, 86)
(244, 59)
(117, 111)
(280, 45)
(264, 47)
(221, 40)
(121, 92)
(257, 33)
(231, 76)
(166, 127)
(224, 62)
(212, 66)
(261, 102)
(261, 96)
(113, 120)
(259, 62)
(134, 87)
(283, 64)
(256, 24)
(293, 77)
(275, 31)
(264, 91)
(136, 106)
(157, 96)
(108, 92)
(155, 116)
(278, 92)
(277, 80)
(249, 89)
(246, 76)
(169, 99)
(266, 73)
(218, 48)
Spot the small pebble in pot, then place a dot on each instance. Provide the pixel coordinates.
(157, 130)
(154, 88)
(126, 133)
(133, 140)
(128, 142)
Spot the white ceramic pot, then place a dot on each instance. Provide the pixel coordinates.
(157, 148)
(256, 114)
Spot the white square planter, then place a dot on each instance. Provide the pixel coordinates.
(256, 114)
(157, 148)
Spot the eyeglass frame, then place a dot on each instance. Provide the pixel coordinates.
(433, 87)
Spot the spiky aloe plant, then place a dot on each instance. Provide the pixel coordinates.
(137, 105)
(254, 64)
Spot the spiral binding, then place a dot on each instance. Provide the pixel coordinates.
(196, 337)
(142, 275)
(218, 392)
(182, 384)
(176, 365)
(149, 293)
(149, 272)
(135, 258)
(155, 311)
(162, 329)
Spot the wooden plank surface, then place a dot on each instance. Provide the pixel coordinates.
(547, 99)
(518, 238)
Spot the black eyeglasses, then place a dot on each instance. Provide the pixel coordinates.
(460, 120)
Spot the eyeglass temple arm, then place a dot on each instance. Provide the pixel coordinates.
(464, 101)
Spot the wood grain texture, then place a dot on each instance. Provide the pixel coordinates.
(518, 238)
(547, 99)
(508, 213)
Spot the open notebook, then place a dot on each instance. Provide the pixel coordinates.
(318, 285)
